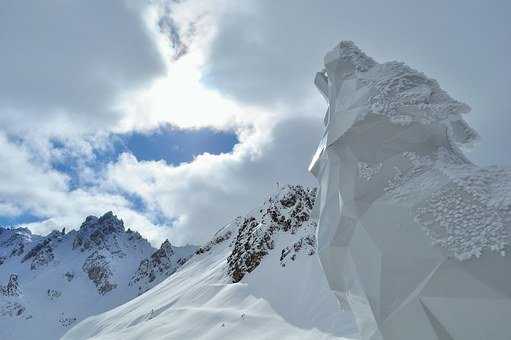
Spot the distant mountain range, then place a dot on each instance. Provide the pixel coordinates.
(48, 284)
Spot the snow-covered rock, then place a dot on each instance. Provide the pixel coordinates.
(13, 242)
(160, 265)
(412, 236)
(289, 212)
(12, 287)
(49, 283)
(258, 278)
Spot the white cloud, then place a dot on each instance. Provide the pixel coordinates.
(30, 186)
(208, 192)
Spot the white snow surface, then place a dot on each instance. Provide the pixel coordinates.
(412, 236)
(464, 208)
(392, 89)
(468, 216)
(284, 297)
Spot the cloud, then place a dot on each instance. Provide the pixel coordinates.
(65, 63)
(207, 193)
(30, 186)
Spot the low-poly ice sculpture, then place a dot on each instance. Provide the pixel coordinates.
(412, 236)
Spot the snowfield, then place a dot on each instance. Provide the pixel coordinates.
(285, 296)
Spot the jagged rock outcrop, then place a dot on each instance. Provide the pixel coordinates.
(101, 237)
(66, 321)
(11, 309)
(14, 242)
(98, 270)
(40, 255)
(160, 265)
(288, 212)
(53, 294)
(99, 233)
(412, 236)
(69, 276)
(12, 288)
(9, 296)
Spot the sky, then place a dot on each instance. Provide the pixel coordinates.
(181, 115)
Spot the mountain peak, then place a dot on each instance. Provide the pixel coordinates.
(166, 244)
(108, 222)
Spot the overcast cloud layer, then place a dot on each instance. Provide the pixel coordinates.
(76, 72)
(64, 63)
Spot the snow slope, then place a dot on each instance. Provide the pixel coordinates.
(47, 284)
(258, 278)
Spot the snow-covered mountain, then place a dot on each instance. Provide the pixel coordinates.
(160, 265)
(258, 278)
(47, 284)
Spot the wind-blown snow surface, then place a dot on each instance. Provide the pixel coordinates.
(281, 293)
(47, 284)
(412, 236)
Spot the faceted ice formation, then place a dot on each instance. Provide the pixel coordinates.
(412, 236)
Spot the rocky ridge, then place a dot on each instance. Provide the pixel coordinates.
(286, 214)
(160, 265)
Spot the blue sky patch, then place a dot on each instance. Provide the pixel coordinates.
(176, 146)
(167, 143)
(24, 218)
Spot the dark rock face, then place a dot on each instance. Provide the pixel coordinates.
(255, 236)
(95, 232)
(98, 270)
(306, 245)
(13, 242)
(12, 309)
(12, 288)
(41, 254)
(66, 321)
(161, 264)
(17, 250)
(53, 294)
(69, 276)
